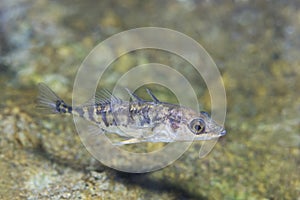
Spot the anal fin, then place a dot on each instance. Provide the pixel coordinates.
(129, 141)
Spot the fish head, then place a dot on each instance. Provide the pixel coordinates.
(188, 125)
(203, 127)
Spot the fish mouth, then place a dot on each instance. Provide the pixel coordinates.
(223, 132)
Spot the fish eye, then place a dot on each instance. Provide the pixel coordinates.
(197, 126)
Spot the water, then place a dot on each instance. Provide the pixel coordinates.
(256, 47)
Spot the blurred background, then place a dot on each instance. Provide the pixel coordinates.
(256, 46)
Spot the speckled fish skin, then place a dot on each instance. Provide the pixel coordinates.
(137, 120)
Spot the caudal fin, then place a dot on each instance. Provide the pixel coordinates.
(49, 102)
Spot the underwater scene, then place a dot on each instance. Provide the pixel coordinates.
(249, 151)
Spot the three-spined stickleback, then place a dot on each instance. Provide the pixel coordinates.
(137, 120)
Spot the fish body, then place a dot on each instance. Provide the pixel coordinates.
(137, 120)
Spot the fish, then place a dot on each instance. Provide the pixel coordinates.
(136, 120)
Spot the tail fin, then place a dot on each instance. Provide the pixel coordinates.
(49, 102)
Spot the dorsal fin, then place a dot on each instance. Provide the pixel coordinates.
(155, 100)
(104, 96)
(133, 96)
